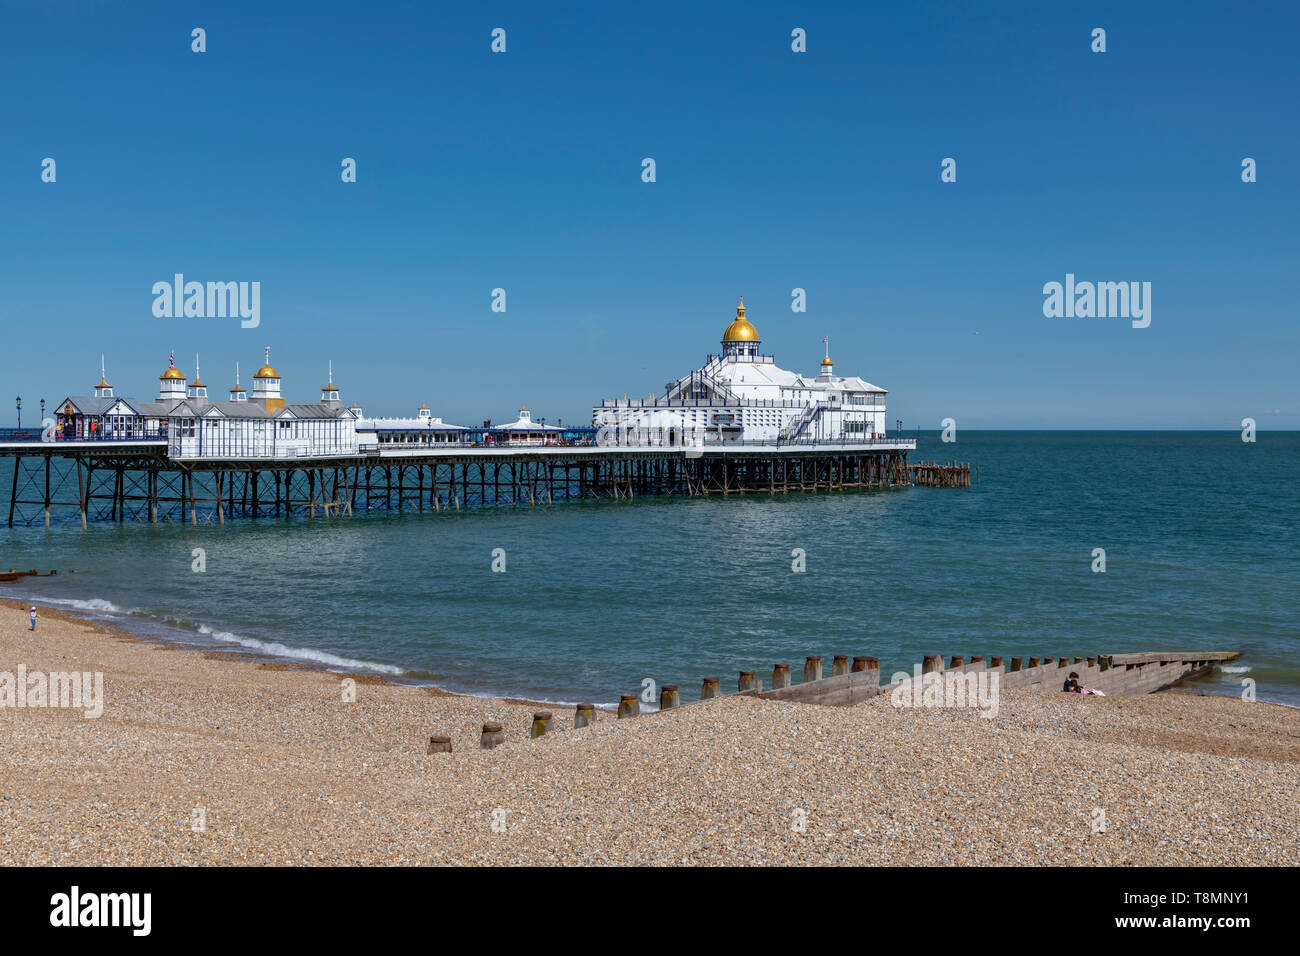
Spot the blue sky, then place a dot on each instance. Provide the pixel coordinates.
(775, 170)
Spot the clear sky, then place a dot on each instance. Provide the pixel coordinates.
(775, 170)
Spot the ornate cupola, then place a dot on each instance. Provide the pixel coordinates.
(171, 383)
(103, 389)
(828, 367)
(329, 394)
(237, 394)
(266, 386)
(197, 389)
(740, 340)
(424, 414)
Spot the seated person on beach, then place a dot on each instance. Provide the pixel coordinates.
(1072, 686)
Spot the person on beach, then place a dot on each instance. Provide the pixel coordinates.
(1072, 686)
(32, 615)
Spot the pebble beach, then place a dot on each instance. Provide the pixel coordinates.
(278, 768)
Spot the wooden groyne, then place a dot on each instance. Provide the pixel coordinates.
(1115, 675)
(929, 474)
(13, 574)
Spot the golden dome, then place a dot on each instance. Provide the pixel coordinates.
(266, 372)
(103, 383)
(172, 372)
(197, 384)
(827, 361)
(740, 330)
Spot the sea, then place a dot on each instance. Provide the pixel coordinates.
(580, 602)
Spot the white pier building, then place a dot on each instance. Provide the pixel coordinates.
(261, 427)
(742, 395)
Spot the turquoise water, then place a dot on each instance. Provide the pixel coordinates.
(1199, 529)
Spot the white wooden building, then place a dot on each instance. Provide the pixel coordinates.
(743, 395)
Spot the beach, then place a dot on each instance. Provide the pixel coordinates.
(278, 768)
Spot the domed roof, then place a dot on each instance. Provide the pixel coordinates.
(740, 329)
(827, 361)
(266, 372)
(172, 373)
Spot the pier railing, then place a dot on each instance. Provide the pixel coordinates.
(37, 436)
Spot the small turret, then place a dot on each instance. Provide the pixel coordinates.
(827, 367)
(103, 389)
(237, 394)
(171, 383)
(329, 394)
(198, 391)
(266, 386)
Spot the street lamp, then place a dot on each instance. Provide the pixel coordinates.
(42, 413)
(19, 402)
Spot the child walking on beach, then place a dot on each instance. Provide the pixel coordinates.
(33, 616)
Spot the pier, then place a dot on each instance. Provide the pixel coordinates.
(738, 425)
(137, 481)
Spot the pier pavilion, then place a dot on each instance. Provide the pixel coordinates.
(742, 395)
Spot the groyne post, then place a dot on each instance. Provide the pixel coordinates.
(812, 669)
(541, 724)
(628, 706)
(583, 715)
(493, 736)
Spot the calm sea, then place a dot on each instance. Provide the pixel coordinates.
(1199, 531)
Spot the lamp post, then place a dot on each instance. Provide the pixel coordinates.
(19, 402)
(42, 413)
